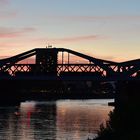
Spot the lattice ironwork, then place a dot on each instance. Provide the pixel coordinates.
(84, 68)
(61, 68)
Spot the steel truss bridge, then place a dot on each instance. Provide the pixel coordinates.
(55, 63)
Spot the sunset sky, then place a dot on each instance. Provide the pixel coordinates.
(107, 29)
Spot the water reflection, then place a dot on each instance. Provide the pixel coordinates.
(61, 120)
(80, 120)
(40, 119)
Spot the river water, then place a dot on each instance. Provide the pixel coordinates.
(54, 120)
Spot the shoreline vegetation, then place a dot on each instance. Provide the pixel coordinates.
(124, 120)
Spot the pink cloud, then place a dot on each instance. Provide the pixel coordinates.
(6, 44)
(7, 14)
(109, 57)
(78, 38)
(69, 39)
(4, 1)
(12, 32)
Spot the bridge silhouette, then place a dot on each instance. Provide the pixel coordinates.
(57, 73)
(50, 65)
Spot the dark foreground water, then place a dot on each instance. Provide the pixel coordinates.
(60, 120)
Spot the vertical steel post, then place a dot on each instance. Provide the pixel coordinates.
(68, 58)
(62, 57)
(62, 60)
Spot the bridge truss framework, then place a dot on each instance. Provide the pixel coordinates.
(47, 64)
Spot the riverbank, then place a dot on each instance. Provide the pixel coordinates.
(124, 121)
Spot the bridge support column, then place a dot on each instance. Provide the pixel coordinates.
(47, 59)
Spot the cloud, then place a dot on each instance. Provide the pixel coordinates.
(12, 32)
(70, 39)
(109, 57)
(3, 2)
(76, 38)
(97, 18)
(7, 14)
(5, 11)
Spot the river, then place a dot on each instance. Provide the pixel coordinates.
(53, 120)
